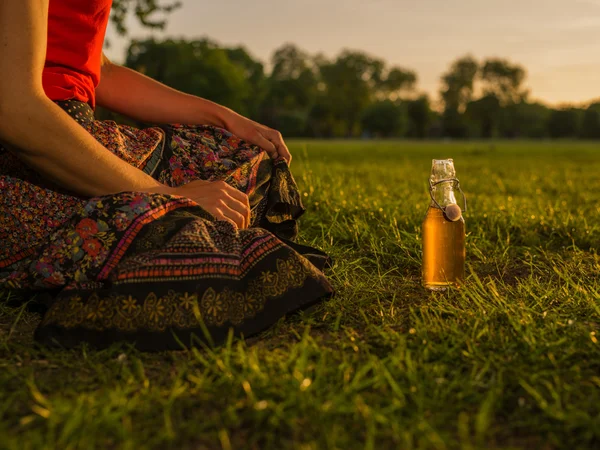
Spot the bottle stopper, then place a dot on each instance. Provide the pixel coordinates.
(452, 212)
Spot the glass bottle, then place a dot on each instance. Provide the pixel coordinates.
(443, 230)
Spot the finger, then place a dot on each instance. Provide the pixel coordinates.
(235, 193)
(242, 208)
(234, 215)
(266, 145)
(239, 196)
(218, 213)
(277, 140)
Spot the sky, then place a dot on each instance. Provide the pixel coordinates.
(557, 41)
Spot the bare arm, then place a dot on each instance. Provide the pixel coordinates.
(129, 92)
(46, 138)
(40, 132)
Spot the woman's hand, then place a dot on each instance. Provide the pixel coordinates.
(266, 138)
(218, 198)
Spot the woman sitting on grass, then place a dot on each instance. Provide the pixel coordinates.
(157, 236)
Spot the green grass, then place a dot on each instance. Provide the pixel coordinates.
(510, 361)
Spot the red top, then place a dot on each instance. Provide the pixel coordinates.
(76, 31)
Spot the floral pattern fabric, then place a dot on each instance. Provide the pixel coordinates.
(156, 270)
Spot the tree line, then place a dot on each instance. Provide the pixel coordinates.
(359, 95)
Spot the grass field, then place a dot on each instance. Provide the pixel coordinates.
(510, 361)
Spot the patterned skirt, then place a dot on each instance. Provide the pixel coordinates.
(154, 270)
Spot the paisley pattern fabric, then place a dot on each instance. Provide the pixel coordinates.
(156, 270)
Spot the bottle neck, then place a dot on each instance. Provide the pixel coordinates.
(443, 194)
(442, 182)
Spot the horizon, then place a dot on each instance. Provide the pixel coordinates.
(556, 43)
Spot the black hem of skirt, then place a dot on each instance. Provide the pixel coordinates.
(172, 338)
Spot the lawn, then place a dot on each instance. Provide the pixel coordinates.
(512, 360)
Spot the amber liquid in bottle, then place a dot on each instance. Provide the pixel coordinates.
(443, 239)
(443, 251)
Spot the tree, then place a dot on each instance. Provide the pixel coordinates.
(293, 80)
(199, 67)
(349, 85)
(255, 75)
(457, 92)
(394, 82)
(454, 124)
(503, 80)
(144, 10)
(525, 120)
(590, 125)
(564, 123)
(384, 119)
(501, 88)
(322, 121)
(419, 117)
(292, 90)
(483, 114)
(458, 83)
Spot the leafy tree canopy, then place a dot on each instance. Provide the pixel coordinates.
(150, 13)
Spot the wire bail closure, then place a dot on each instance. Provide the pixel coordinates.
(456, 185)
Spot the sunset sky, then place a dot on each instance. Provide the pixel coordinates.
(557, 41)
